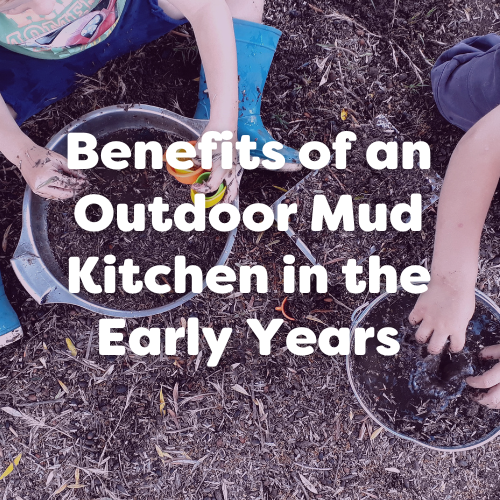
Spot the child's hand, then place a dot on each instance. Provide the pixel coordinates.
(488, 380)
(48, 175)
(232, 177)
(443, 312)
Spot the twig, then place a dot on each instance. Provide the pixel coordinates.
(88, 364)
(89, 345)
(316, 9)
(332, 47)
(415, 68)
(342, 81)
(179, 430)
(112, 435)
(343, 17)
(312, 468)
(425, 58)
(201, 483)
(337, 471)
(121, 470)
(47, 402)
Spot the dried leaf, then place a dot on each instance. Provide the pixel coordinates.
(61, 488)
(316, 9)
(49, 478)
(11, 411)
(344, 115)
(308, 484)
(174, 418)
(44, 362)
(313, 318)
(392, 469)
(162, 403)
(76, 486)
(10, 468)
(225, 492)
(63, 387)
(324, 78)
(321, 64)
(238, 388)
(375, 433)
(198, 361)
(108, 372)
(71, 347)
(158, 450)
(5, 236)
(175, 396)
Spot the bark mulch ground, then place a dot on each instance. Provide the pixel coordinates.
(254, 427)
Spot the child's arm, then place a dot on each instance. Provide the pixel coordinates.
(470, 182)
(213, 26)
(45, 172)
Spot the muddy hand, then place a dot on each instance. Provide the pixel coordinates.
(488, 380)
(231, 177)
(48, 175)
(442, 314)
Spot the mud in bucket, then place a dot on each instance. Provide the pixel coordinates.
(417, 396)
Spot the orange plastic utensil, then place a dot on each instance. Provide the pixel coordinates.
(187, 176)
(283, 310)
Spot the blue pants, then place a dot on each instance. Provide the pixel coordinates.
(30, 85)
(466, 80)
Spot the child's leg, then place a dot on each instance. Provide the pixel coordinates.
(11, 111)
(29, 84)
(248, 10)
(10, 328)
(256, 45)
(465, 80)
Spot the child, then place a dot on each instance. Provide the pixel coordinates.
(45, 45)
(465, 83)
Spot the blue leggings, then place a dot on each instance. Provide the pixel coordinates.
(466, 80)
(30, 85)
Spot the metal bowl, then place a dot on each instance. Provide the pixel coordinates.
(358, 317)
(34, 262)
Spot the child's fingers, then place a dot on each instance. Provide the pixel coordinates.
(424, 332)
(62, 165)
(62, 181)
(486, 380)
(438, 341)
(231, 192)
(416, 316)
(211, 184)
(491, 399)
(203, 188)
(55, 193)
(490, 352)
(457, 340)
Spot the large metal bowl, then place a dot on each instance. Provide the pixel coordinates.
(358, 318)
(34, 262)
